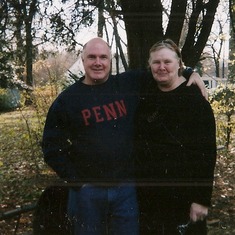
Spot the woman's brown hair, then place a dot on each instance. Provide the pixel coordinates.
(168, 43)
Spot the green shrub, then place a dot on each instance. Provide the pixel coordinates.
(9, 99)
(223, 103)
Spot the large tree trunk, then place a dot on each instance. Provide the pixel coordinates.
(143, 22)
(196, 40)
(176, 20)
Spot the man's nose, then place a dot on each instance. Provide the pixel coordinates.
(97, 61)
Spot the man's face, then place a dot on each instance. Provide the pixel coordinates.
(96, 59)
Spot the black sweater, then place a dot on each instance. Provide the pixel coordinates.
(177, 130)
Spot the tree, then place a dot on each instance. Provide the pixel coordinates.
(231, 76)
(223, 102)
(215, 53)
(24, 12)
(144, 26)
(20, 31)
(188, 23)
(232, 16)
(5, 54)
(83, 14)
(18, 19)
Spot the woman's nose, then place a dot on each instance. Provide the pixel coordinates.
(162, 66)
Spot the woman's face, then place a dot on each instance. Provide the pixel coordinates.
(164, 64)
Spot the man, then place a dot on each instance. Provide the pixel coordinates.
(88, 137)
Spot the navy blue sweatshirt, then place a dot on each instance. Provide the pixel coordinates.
(88, 133)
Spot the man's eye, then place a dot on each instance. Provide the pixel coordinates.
(91, 57)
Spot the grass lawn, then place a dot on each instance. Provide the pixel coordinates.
(23, 175)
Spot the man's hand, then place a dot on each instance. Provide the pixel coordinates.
(198, 212)
(196, 79)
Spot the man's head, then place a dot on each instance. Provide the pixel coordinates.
(96, 58)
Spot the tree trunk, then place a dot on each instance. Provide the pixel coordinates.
(143, 22)
(118, 44)
(196, 40)
(101, 19)
(232, 41)
(29, 56)
(29, 40)
(19, 54)
(176, 20)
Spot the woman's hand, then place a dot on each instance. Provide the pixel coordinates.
(198, 212)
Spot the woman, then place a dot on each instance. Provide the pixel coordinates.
(176, 149)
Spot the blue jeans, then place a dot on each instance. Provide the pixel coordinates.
(96, 210)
